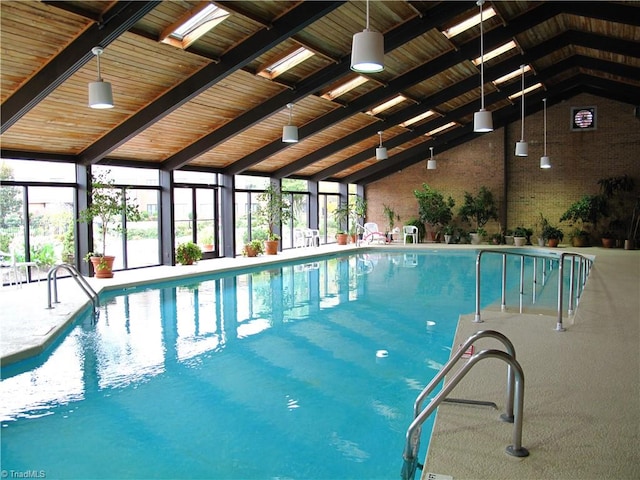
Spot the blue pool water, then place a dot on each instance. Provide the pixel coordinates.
(302, 371)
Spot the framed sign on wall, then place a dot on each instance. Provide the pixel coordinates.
(583, 118)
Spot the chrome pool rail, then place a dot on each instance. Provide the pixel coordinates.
(585, 264)
(513, 409)
(52, 274)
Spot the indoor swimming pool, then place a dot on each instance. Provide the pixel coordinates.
(301, 370)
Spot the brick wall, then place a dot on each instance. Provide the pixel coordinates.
(578, 161)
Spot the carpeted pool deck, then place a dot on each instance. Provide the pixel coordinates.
(581, 416)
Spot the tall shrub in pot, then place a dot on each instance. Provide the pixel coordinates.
(479, 209)
(433, 209)
(108, 205)
(273, 211)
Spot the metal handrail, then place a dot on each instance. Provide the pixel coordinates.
(412, 439)
(80, 280)
(584, 270)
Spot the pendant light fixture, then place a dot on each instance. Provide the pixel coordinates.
(367, 50)
(100, 93)
(522, 148)
(431, 163)
(381, 152)
(290, 131)
(482, 119)
(545, 162)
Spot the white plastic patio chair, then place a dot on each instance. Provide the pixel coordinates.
(372, 234)
(410, 231)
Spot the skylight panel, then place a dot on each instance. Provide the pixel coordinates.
(526, 90)
(418, 118)
(286, 63)
(444, 127)
(495, 52)
(345, 87)
(387, 105)
(196, 24)
(514, 74)
(468, 23)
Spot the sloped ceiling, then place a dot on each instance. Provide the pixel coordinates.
(205, 107)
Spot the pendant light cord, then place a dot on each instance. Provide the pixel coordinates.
(380, 134)
(290, 107)
(522, 131)
(544, 100)
(481, 2)
(367, 15)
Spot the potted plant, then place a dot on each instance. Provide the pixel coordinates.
(391, 217)
(274, 210)
(433, 208)
(252, 248)
(478, 210)
(588, 211)
(520, 236)
(448, 231)
(187, 253)
(552, 235)
(108, 205)
(619, 194)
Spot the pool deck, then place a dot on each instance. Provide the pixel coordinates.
(581, 417)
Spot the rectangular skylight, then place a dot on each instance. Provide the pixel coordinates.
(509, 76)
(444, 127)
(286, 63)
(345, 87)
(495, 52)
(195, 25)
(526, 90)
(417, 118)
(468, 23)
(386, 105)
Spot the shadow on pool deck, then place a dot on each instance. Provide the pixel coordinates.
(582, 386)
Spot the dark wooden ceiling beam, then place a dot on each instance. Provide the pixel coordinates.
(463, 53)
(326, 76)
(233, 60)
(120, 18)
(447, 94)
(558, 93)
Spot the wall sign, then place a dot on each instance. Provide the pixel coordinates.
(583, 118)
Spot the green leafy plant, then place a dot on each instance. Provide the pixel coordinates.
(432, 206)
(187, 253)
(273, 210)
(551, 232)
(253, 245)
(350, 213)
(479, 209)
(588, 210)
(391, 216)
(108, 204)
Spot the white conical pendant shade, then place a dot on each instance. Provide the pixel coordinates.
(381, 153)
(545, 162)
(100, 95)
(290, 134)
(367, 52)
(482, 121)
(431, 164)
(522, 149)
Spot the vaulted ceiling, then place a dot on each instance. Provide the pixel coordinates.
(206, 107)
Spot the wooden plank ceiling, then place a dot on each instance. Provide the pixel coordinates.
(206, 107)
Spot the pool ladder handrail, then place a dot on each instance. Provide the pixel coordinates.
(511, 415)
(80, 280)
(584, 270)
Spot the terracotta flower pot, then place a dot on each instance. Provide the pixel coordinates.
(271, 247)
(103, 266)
(553, 242)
